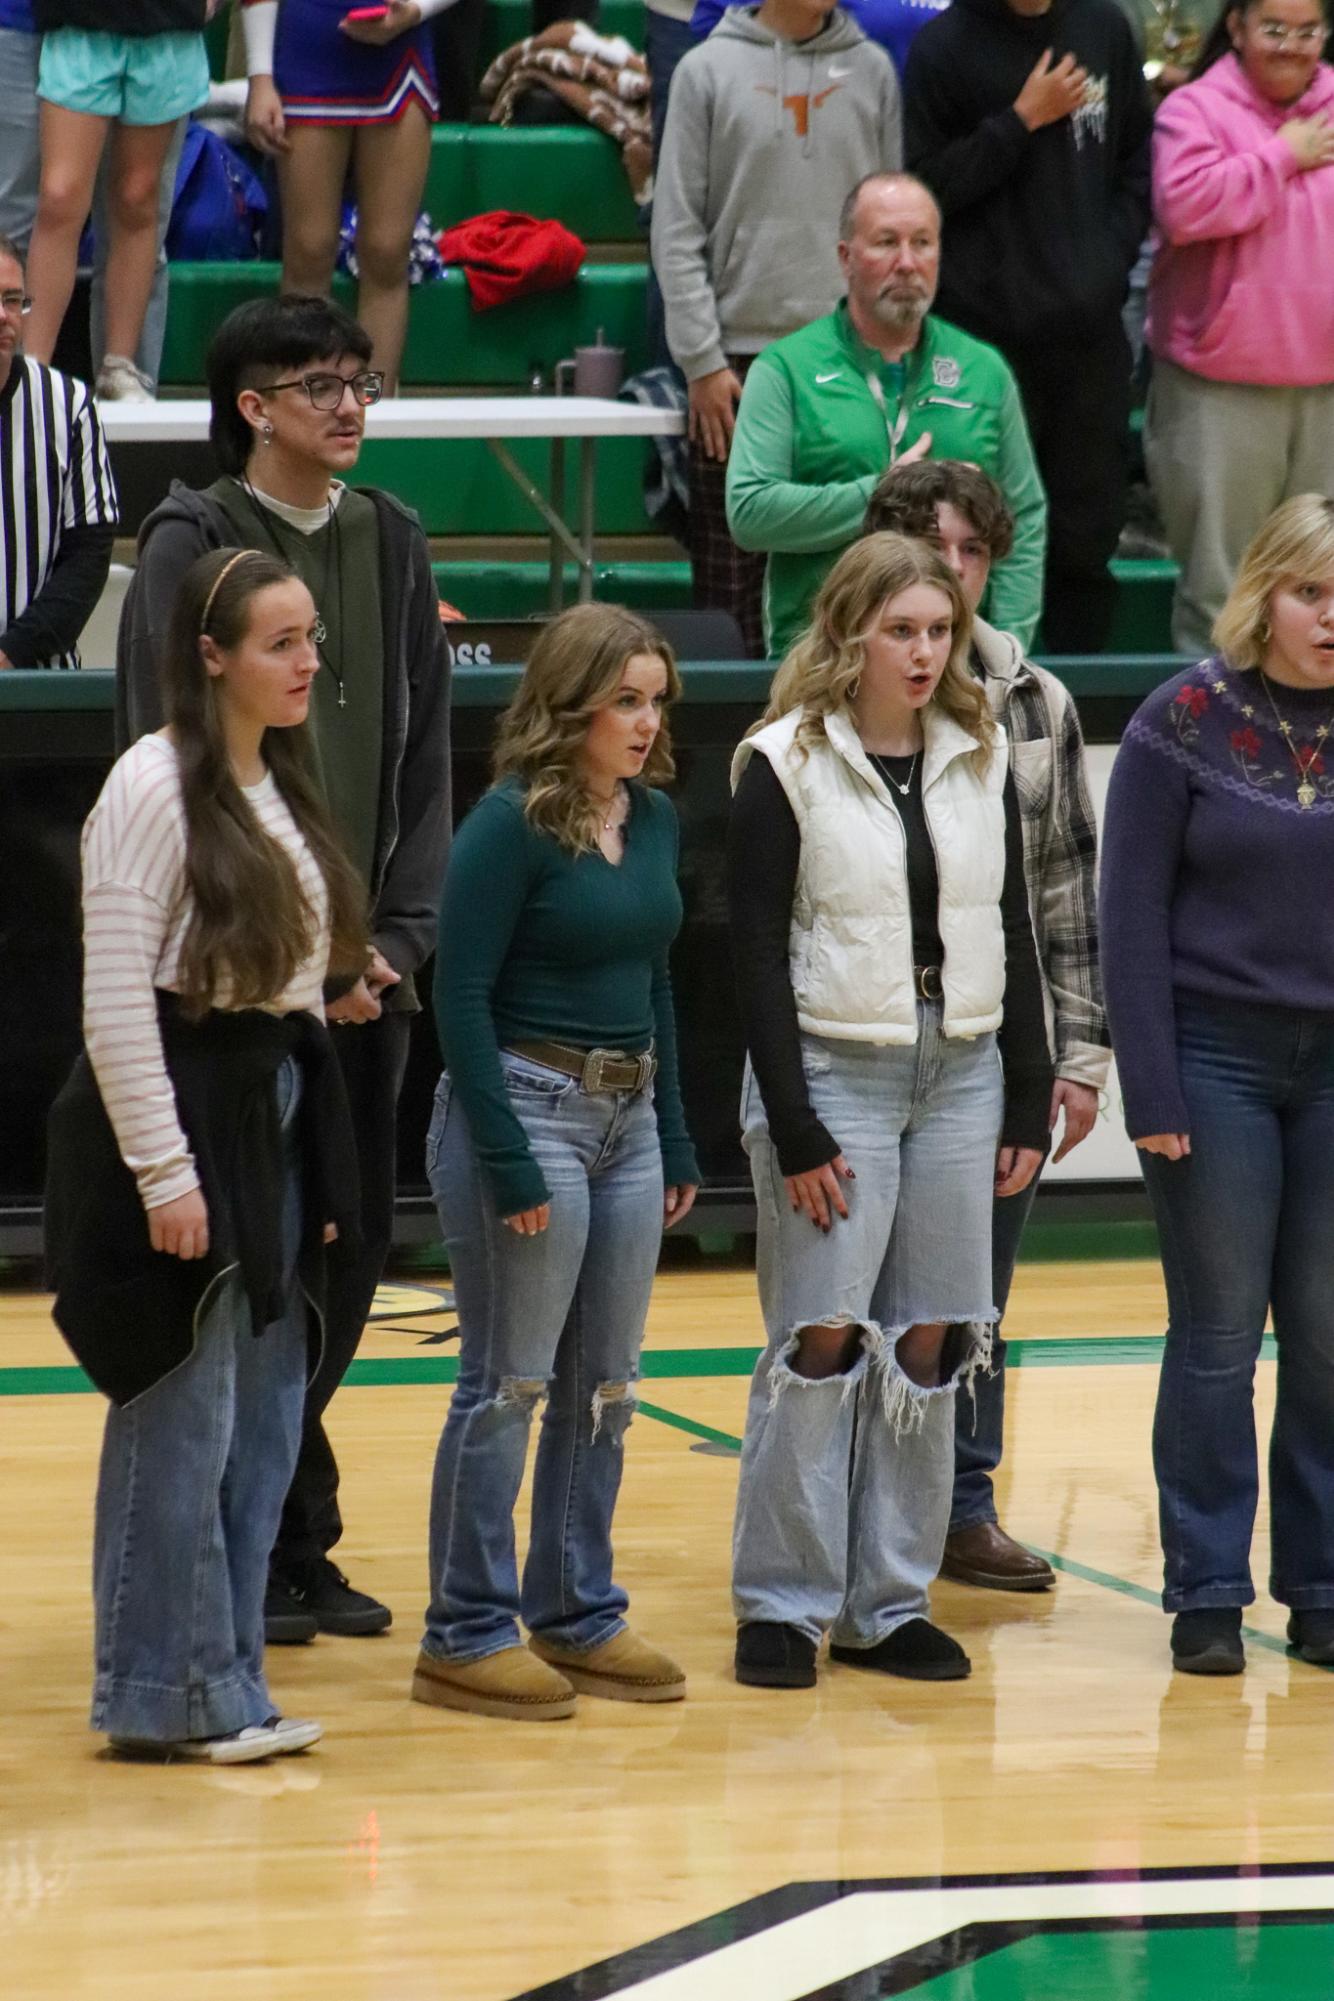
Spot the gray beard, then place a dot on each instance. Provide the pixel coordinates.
(901, 315)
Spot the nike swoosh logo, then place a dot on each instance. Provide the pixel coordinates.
(839, 72)
(820, 380)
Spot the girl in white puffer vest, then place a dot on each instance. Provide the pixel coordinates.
(899, 1076)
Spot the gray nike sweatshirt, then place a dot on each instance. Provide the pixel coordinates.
(764, 138)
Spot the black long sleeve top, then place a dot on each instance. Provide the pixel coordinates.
(763, 857)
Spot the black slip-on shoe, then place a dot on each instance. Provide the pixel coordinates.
(773, 1656)
(1311, 1635)
(1208, 1641)
(918, 1651)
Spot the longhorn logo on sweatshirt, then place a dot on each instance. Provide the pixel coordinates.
(1090, 120)
(802, 105)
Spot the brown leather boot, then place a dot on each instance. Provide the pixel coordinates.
(625, 1668)
(985, 1556)
(509, 1683)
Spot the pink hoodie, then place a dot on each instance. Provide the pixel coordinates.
(1242, 288)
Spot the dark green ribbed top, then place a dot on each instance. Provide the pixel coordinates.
(538, 943)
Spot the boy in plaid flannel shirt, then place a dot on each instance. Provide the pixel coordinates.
(963, 514)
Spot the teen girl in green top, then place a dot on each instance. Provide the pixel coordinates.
(557, 1149)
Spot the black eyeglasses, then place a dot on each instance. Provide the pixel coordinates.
(326, 391)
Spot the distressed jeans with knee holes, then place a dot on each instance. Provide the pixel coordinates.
(558, 1316)
(844, 1497)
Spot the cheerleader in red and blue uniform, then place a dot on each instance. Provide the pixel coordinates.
(336, 85)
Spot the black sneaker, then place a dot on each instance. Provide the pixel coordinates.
(1311, 1634)
(918, 1651)
(320, 1589)
(1208, 1641)
(773, 1656)
(287, 1623)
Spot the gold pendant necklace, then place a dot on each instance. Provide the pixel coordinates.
(1306, 792)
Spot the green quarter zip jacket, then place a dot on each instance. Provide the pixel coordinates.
(813, 438)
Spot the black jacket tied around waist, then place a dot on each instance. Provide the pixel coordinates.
(129, 1312)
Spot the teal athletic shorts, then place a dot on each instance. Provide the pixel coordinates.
(136, 79)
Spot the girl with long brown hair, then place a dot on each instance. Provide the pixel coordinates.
(557, 1151)
(199, 1159)
(881, 937)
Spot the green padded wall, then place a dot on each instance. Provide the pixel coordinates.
(448, 343)
(519, 590)
(458, 489)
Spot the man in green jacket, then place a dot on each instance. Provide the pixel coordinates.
(827, 410)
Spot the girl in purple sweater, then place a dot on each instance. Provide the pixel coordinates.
(1218, 957)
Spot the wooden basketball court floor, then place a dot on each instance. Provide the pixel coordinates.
(1073, 1820)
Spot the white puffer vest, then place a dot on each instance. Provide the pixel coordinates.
(851, 939)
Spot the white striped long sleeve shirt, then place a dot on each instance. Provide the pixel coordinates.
(135, 914)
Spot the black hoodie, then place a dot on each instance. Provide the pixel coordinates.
(1041, 228)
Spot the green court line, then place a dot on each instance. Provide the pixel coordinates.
(1067, 1564)
(1111, 1351)
(689, 1424)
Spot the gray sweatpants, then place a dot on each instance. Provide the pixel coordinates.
(1221, 456)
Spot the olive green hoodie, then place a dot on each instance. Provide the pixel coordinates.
(812, 440)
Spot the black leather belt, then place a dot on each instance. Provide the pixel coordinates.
(928, 983)
(596, 1069)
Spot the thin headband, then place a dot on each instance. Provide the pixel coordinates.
(224, 572)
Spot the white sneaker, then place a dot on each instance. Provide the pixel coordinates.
(274, 1739)
(119, 381)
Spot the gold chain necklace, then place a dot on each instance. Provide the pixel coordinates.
(1306, 792)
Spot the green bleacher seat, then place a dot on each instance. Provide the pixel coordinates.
(1143, 621)
(567, 171)
(508, 21)
(448, 343)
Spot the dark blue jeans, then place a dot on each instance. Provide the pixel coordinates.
(979, 1417)
(1246, 1224)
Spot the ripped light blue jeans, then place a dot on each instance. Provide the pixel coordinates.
(561, 1316)
(846, 1480)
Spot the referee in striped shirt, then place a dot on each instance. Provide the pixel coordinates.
(58, 510)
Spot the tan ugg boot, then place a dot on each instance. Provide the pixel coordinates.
(509, 1683)
(624, 1668)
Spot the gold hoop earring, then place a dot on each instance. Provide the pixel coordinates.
(853, 685)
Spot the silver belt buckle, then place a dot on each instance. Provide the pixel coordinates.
(595, 1065)
(929, 984)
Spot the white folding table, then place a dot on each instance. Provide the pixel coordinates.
(495, 419)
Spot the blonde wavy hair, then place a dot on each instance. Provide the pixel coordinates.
(573, 671)
(1296, 545)
(821, 672)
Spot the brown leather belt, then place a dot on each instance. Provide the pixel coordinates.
(928, 983)
(596, 1069)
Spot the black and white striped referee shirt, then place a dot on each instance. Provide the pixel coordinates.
(54, 477)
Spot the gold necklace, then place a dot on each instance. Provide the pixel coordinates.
(1306, 792)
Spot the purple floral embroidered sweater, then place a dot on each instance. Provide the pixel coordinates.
(1215, 878)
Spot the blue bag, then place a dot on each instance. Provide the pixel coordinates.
(219, 206)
